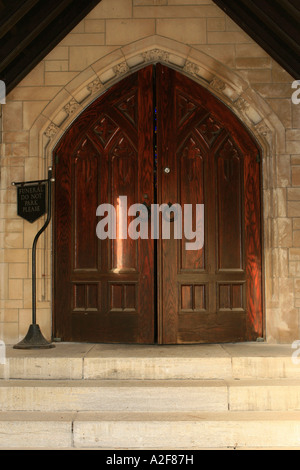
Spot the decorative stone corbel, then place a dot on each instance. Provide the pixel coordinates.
(156, 55)
(218, 84)
(191, 68)
(95, 86)
(51, 131)
(71, 107)
(121, 69)
(241, 104)
(263, 129)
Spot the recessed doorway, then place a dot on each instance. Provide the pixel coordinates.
(157, 137)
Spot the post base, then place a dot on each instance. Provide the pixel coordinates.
(34, 340)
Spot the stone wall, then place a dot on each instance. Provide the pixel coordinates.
(116, 38)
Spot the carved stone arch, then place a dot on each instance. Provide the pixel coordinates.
(227, 85)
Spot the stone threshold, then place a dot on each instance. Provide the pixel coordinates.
(149, 362)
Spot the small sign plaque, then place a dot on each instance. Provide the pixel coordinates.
(32, 201)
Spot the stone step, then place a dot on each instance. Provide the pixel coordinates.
(150, 396)
(106, 395)
(110, 430)
(126, 362)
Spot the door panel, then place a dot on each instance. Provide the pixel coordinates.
(229, 176)
(191, 183)
(212, 294)
(104, 289)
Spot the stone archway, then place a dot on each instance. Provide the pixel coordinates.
(228, 86)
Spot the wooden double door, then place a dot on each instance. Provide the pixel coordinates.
(158, 138)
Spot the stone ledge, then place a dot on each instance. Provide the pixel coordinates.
(73, 361)
(149, 430)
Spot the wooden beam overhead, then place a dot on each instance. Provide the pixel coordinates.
(29, 28)
(12, 11)
(29, 35)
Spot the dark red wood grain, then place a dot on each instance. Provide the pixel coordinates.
(104, 289)
(115, 290)
(214, 294)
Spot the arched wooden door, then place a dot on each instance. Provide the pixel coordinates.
(158, 138)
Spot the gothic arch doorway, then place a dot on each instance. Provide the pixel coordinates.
(158, 137)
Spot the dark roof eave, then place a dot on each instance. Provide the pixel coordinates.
(33, 41)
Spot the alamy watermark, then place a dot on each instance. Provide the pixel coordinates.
(2, 353)
(187, 221)
(296, 353)
(2, 92)
(296, 94)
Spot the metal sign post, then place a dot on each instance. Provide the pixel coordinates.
(31, 206)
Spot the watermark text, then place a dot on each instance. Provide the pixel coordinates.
(2, 353)
(2, 92)
(155, 222)
(296, 94)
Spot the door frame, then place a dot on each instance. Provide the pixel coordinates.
(259, 146)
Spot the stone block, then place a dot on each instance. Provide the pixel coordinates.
(189, 31)
(253, 63)
(189, 431)
(121, 32)
(112, 9)
(15, 255)
(293, 194)
(296, 176)
(227, 37)
(58, 53)
(188, 2)
(81, 57)
(58, 78)
(56, 65)
(295, 254)
(267, 395)
(293, 147)
(18, 270)
(35, 431)
(186, 11)
(149, 2)
(36, 77)
(84, 39)
(141, 396)
(94, 26)
(296, 238)
(13, 116)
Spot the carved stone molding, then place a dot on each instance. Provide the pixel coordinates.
(121, 69)
(218, 84)
(191, 68)
(51, 131)
(241, 104)
(263, 129)
(95, 86)
(71, 107)
(155, 55)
